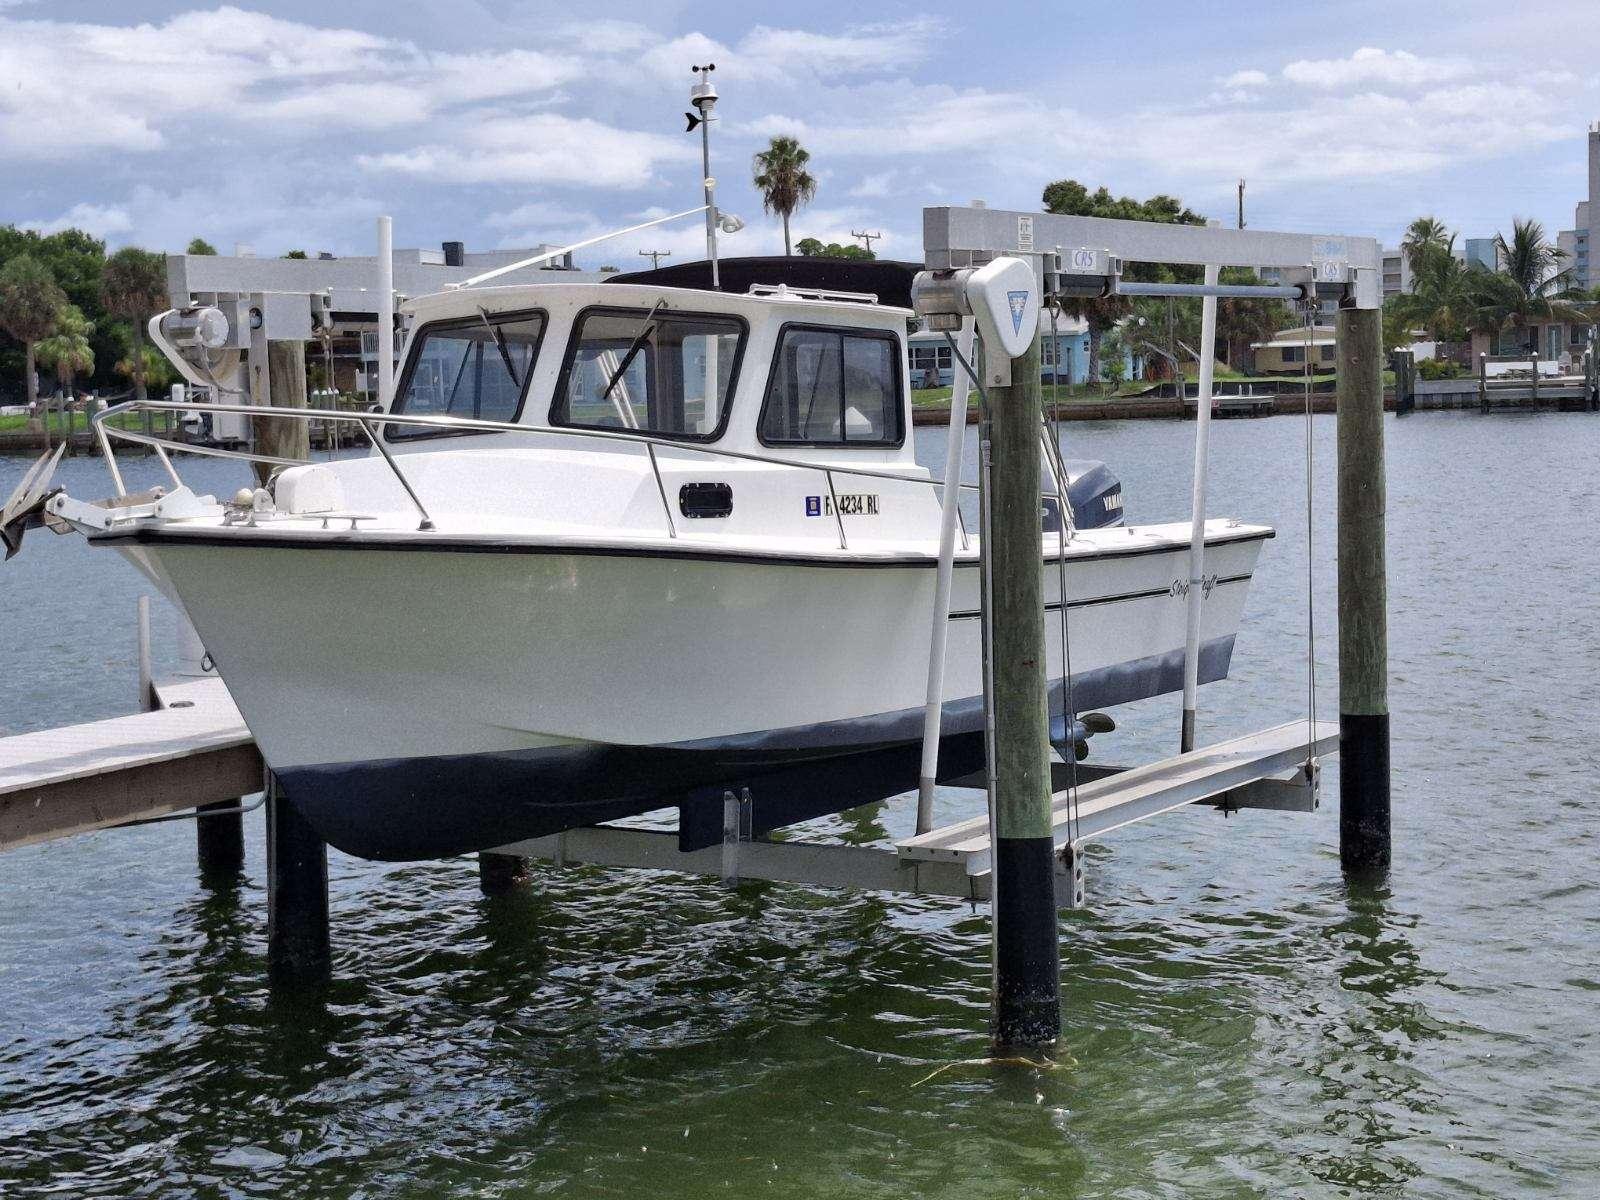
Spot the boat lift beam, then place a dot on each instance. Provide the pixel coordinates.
(1264, 770)
(955, 237)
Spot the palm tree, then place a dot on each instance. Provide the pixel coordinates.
(783, 181)
(1534, 280)
(1425, 238)
(1242, 321)
(67, 351)
(1441, 298)
(30, 305)
(134, 286)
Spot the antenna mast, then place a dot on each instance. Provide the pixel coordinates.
(703, 95)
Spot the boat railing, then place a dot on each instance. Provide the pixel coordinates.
(106, 432)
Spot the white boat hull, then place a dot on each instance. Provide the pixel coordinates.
(419, 701)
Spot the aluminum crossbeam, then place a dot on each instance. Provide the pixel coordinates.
(1117, 800)
(962, 237)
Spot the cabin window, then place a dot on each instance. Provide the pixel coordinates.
(650, 370)
(832, 387)
(462, 369)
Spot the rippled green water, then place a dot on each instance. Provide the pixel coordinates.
(1238, 1021)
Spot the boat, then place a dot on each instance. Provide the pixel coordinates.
(626, 545)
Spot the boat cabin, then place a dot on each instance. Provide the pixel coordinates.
(775, 371)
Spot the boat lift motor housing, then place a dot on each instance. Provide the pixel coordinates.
(1002, 297)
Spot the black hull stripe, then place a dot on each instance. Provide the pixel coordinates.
(967, 614)
(448, 545)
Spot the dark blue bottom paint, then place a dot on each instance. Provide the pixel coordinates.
(414, 808)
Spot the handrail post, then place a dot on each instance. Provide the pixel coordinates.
(661, 490)
(109, 454)
(377, 443)
(837, 515)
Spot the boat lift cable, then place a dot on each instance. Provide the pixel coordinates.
(1311, 591)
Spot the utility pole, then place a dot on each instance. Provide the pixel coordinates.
(655, 256)
(1241, 204)
(866, 238)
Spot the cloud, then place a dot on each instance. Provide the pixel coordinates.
(792, 56)
(874, 187)
(103, 221)
(1371, 65)
(540, 148)
(1245, 79)
(76, 87)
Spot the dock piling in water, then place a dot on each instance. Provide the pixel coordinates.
(1363, 593)
(1027, 963)
(298, 950)
(500, 874)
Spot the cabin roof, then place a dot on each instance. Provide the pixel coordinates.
(468, 302)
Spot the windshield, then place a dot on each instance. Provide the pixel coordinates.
(651, 370)
(476, 367)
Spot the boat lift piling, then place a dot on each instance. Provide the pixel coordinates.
(1363, 593)
(1027, 957)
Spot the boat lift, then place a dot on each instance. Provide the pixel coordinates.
(989, 272)
(967, 250)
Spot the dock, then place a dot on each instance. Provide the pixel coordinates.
(191, 750)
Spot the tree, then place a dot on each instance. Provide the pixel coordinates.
(1071, 198)
(1116, 367)
(781, 177)
(67, 351)
(200, 246)
(296, 254)
(1243, 320)
(812, 248)
(157, 371)
(1528, 287)
(135, 287)
(1441, 299)
(1425, 237)
(30, 305)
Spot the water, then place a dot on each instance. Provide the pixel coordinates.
(1238, 1021)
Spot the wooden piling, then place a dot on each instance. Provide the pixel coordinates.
(499, 874)
(298, 950)
(280, 383)
(219, 839)
(1027, 983)
(1363, 609)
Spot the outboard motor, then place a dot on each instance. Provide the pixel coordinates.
(1094, 493)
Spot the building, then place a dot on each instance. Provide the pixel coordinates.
(1285, 352)
(1396, 272)
(1063, 357)
(1579, 240)
(1480, 252)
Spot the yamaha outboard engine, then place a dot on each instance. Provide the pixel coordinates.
(1094, 493)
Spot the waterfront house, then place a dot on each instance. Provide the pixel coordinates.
(1286, 351)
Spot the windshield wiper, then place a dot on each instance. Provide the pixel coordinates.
(639, 339)
(500, 340)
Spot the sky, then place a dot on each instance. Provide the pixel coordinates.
(503, 123)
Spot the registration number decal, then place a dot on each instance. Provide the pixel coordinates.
(851, 504)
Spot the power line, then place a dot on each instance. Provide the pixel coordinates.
(866, 238)
(655, 256)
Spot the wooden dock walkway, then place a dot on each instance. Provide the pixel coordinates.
(192, 750)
